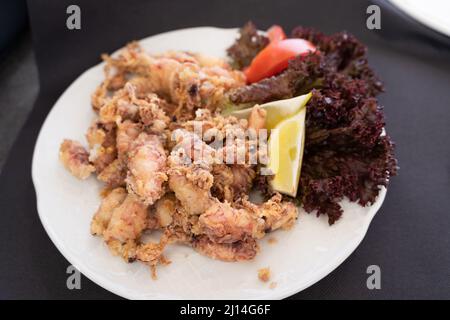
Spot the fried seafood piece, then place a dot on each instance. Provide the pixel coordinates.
(127, 133)
(102, 143)
(193, 57)
(122, 105)
(190, 163)
(152, 114)
(191, 186)
(229, 180)
(164, 210)
(99, 96)
(179, 56)
(127, 222)
(110, 112)
(224, 224)
(120, 220)
(152, 221)
(236, 251)
(147, 168)
(148, 109)
(115, 79)
(243, 176)
(126, 250)
(111, 82)
(184, 226)
(223, 179)
(128, 104)
(190, 149)
(189, 82)
(230, 137)
(75, 159)
(151, 253)
(125, 109)
(142, 86)
(275, 212)
(195, 168)
(103, 215)
(103, 134)
(232, 181)
(113, 175)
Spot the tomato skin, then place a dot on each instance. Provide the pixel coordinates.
(275, 58)
(276, 33)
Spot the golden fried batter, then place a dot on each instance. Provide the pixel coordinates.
(146, 168)
(128, 220)
(75, 158)
(103, 215)
(236, 251)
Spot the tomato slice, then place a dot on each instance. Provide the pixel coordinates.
(276, 33)
(275, 58)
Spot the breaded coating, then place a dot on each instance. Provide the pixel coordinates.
(109, 111)
(194, 194)
(102, 217)
(152, 254)
(99, 96)
(127, 133)
(165, 210)
(190, 149)
(223, 179)
(113, 175)
(189, 174)
(152, 114)
(75, 158)
(102, 143)
(127, 250)
(243, 176)
(147, 169)
(214, 124)
(224, 224)
(127, 220)
(275, 212)
(184, 226)
(232, 182)
(231, 252)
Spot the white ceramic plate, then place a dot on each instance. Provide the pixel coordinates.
(299, 258)
(432, 13)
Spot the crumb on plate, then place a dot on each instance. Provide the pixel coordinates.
(264, 274)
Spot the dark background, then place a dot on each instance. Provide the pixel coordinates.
(409, 238)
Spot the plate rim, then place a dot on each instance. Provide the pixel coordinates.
(108, 285)
(424, 20)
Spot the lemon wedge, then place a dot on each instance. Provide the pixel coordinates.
(285, 146)
(277, 110)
